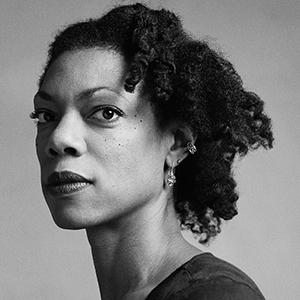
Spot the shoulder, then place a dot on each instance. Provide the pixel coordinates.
(217, 289)
(206, 277)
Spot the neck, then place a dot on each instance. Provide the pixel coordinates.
(138, 251)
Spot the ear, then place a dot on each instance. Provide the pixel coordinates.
(178, 150)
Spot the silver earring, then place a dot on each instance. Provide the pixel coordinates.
(171, 179)
(191, 147)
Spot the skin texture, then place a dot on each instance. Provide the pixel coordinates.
(115, 154)
(127, 210)
(187, 81)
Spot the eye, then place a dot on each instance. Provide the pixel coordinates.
(107, 113)
(42, 116)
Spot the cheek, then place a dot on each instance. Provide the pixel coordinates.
(131, 157)
(41, 142)
(40, 147)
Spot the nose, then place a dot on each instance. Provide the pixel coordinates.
(67, 138)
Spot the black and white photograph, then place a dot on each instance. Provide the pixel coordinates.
(150, 150)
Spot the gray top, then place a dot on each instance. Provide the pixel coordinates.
(206, 277)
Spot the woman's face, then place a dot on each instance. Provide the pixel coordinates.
(89, 125)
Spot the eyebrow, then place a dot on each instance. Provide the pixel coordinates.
(84, 94)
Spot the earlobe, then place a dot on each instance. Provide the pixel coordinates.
(182, 146)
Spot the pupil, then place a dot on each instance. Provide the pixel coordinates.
(47, 117)
(108, 114)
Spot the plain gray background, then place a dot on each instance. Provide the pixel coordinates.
(261, 38)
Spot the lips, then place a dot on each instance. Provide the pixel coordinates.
(66, 182)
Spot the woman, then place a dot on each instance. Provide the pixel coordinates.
(138, 125)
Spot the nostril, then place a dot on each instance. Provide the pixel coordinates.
(52, 152)
(70, 150)
(65, 151)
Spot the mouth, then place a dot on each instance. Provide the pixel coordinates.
(67, 182)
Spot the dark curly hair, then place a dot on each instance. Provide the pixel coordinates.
(189, 82)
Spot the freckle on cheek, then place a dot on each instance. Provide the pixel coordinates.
(141, 121)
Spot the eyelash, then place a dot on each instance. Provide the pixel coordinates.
(35, 114)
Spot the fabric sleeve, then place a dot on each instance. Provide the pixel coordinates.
(217, 289)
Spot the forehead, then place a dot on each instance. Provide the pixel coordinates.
(85, 69)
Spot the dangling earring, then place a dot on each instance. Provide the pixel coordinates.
(171, 179)
(191, 147)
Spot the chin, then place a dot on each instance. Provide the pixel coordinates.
(70, 220)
